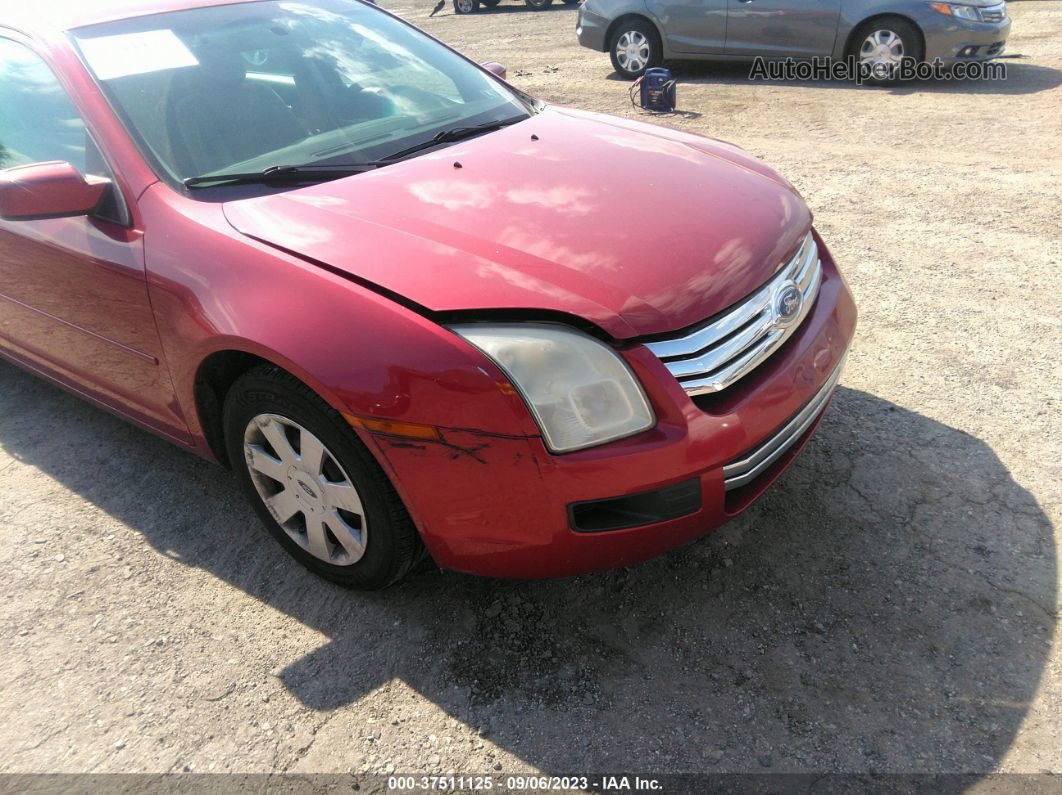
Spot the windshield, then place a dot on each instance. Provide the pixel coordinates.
(242, 88)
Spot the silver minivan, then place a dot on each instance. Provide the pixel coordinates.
(639, 34)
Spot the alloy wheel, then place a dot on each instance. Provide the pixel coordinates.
(466, 6)
(305, 489)
(632, 50)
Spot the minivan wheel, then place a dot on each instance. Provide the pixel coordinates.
(635, 47)
(313, 483)
(538, 5)
(881, 45)
(466, 6)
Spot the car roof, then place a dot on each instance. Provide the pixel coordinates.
(63, 15)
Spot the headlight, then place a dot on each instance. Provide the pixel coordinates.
(579, 390)
(956, 10)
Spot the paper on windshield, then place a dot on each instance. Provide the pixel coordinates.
(135, 53)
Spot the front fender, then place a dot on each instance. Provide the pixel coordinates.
(855, 12)
(214, 289)
(610, 11)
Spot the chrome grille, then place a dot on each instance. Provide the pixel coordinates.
(756, 461)
(994, 13)
(728, 348)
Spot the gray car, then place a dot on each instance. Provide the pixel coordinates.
(639, 34)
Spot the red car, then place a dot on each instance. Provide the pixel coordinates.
(416, 310)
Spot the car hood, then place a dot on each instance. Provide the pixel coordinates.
(635, 228)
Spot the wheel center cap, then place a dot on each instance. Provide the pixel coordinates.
(306, 489)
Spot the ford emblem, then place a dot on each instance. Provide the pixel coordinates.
(787, 303)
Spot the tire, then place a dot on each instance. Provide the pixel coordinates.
(382, 532)
(635, 36)
(873, 42)
(538, 5)
(466, 6)
(572, 2)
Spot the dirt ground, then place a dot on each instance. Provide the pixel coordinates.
(891, 606)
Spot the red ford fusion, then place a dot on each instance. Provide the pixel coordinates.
(415, 310)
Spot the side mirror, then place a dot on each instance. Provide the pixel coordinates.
(494, 68)
(48, 190)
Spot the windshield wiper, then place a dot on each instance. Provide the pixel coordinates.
(279, 173)
(451, 135)
(325, 172)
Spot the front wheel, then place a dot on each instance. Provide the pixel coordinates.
(635, 47)
(538, 5)
(881, 45)
(313, 483)
(466, 6)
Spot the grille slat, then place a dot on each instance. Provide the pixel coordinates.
(709, 335)
(723, 351)
(735, 369)
(807, 269)
(739, 473)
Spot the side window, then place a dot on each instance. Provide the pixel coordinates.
(38, 123)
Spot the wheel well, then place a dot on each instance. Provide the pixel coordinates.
(627, 18)
(217, 373)
(856, 28)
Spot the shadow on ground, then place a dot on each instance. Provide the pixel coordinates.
(886, 607)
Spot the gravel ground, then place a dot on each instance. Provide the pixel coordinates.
(891, 606)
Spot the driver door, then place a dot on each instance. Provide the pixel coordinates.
(73, 291)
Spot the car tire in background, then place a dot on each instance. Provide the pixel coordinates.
(466, 6)
(538, 5)
(313, 483)
(883, 43)
(572, 2)
(635, 47)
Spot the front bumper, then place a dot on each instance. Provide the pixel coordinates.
(950, 40)
(502, 506)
